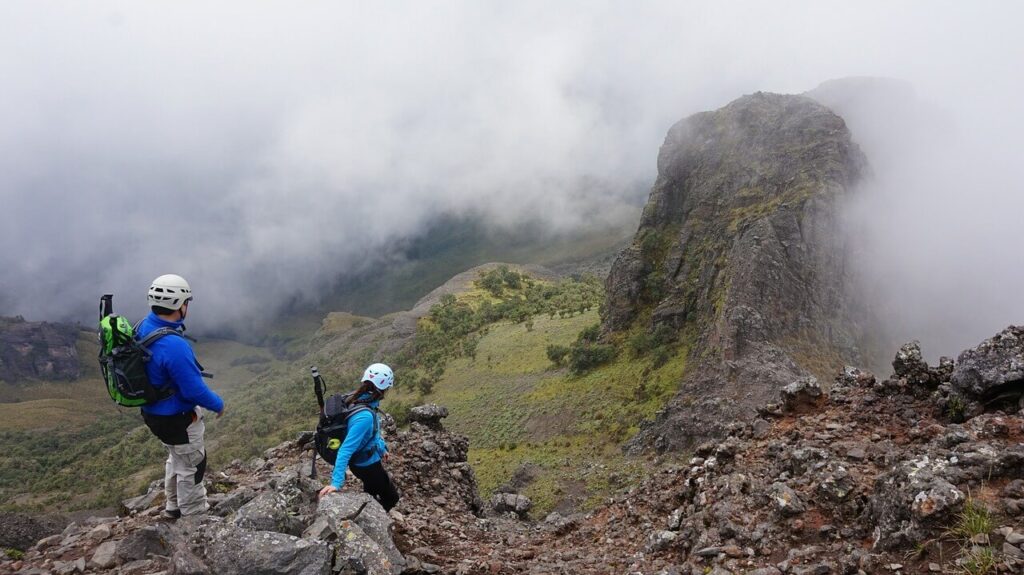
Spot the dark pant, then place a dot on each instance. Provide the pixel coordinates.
(377, 483)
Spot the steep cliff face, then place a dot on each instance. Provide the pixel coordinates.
(37, 350)
(739, 251)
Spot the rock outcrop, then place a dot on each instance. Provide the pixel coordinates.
(993, 368)
(873, 475)
(738, 252)
(38, 350)
(265, 518)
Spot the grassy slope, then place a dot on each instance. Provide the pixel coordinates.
(518, 410)
(66, 445)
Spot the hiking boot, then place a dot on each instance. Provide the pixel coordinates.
(170, 514)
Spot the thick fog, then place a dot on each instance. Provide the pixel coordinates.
(264, 149)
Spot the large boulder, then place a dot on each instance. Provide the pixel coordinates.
(430, 415)
(231, 550)
(993, 367)
(511, 503)
(913, 502)
(268, 511)
(909, 364)
(286, 506)
(362, 530)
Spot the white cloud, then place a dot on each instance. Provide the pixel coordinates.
(277, 144)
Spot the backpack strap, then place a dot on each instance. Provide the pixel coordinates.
(159, 332)
(376, 423)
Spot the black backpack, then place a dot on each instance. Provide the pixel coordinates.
(123, 358)
(333, 425)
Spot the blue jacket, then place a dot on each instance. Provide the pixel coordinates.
(363, 444)
(174, 364)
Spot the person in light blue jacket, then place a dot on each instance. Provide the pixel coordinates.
(177, 420)
(364, 450)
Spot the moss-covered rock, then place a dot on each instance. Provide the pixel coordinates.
(739, 251)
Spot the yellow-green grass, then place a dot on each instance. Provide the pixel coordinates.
(339, 322)
(43, 414)
(575, 469)
(517, 408)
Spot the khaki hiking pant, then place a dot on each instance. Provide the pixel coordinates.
(184, 470)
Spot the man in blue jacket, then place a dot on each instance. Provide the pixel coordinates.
(177, 420)
(364, 449)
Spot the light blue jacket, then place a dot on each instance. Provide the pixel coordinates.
(363, 444)
(174, 364)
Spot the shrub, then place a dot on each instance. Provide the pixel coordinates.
(590, 334)
(557, 354)
(586, 356)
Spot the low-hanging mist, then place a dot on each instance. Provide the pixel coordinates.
(266, 150)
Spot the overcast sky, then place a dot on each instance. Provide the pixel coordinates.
(262, 148)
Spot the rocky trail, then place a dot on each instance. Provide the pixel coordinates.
(920, 472)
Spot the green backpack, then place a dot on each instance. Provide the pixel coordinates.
(123, 358)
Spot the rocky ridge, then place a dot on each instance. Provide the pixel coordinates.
(265, 517)
(894, 475)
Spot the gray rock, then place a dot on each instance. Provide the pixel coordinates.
(429, 415)
(786, 501)
(146, 541)
(362, 529)
(304, 438)
(511, 503)
(99, 533)
(105, 555)
(1014, 538)
(142, 502)
(269, 511)
(802, 395)
(911, 499)
(227, 549)
(909, 364)
(660, 540)
(185, 562)
(69, 567)
(1012, 551)
(837, 485)
(761, 428)
(51, 541)
(986, 370)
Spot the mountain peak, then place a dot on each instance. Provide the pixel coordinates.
(738, 252)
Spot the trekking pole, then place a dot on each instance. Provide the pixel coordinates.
(318, 388)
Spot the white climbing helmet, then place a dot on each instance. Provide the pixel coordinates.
(380, 376)
(169, 291)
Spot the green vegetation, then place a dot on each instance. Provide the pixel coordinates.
(485, 354)
(956, 409)
(14, 554)
(516, 410)
(654, 247)
(67, 446)
(454, 325)
(974, 520)
(978, 561)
